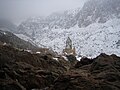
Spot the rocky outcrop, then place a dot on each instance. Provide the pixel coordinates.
(83, 61)
(20, 70)
(69, 82)
(102, 74)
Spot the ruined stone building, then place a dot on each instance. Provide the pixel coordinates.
(69, 49)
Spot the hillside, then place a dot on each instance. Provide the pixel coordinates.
(21, 70)
(8, 38)
(91, 28)
(98, 11)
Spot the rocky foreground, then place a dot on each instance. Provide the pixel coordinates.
(21, 70)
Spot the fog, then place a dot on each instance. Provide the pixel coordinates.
(18, 10)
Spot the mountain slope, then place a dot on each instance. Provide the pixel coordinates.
(63, 20)
(98, 11)
(93, 11)
(11, 39)
(93, 29)
(88, 41)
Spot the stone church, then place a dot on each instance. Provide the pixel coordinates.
(69, 50)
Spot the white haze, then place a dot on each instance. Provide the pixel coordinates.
(18, 10)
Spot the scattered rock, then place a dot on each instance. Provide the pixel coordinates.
(83, 61)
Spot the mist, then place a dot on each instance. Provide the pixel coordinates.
(19, 10)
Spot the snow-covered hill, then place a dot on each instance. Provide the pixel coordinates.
(88, 41)
(62, 20)
(98, 11)
(95, 39)
(93, 29)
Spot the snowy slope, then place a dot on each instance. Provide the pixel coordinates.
(63, 20)
(92, 40)
(94, 29)
(89, 41)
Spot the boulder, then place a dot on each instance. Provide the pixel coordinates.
(83, 61)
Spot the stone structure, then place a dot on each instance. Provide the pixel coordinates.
(69, 50)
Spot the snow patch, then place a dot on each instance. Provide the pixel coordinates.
(78, 58)
(4, 44)
(38, 52)
(55, 59)
(4, 33)
(28, 51)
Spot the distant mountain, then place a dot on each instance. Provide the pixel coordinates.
(98, 11)
(91, 28)
(94, 11)
(63, 20)
(11, 39)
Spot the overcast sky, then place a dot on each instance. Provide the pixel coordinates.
(20, 9)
